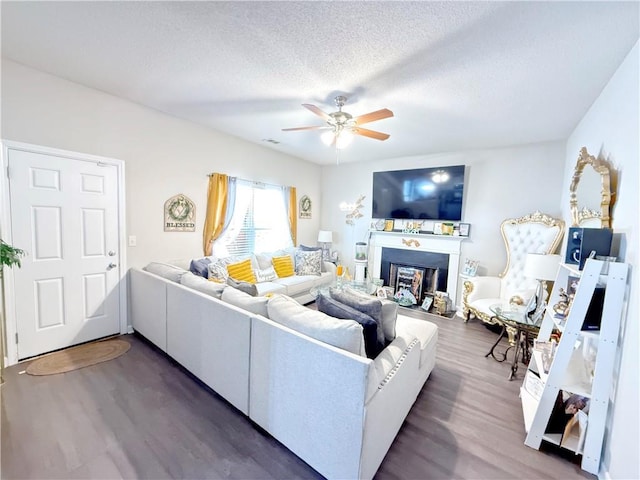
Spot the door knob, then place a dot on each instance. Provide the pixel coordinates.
(111, 253)
(112, 265)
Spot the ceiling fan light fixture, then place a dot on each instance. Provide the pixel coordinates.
(341, 138)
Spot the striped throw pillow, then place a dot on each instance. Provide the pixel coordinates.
(242, 271)
(283, 266)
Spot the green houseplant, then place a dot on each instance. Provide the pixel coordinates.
(9, 256)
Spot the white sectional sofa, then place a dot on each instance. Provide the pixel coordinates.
(336, 410)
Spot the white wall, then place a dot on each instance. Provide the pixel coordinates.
(164, 155)
(611, 128)
(499, 184)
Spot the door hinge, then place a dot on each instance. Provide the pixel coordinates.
(8, 172)
(16, 338)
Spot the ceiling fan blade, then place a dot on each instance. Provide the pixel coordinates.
(370, 133)
(317, 127)
(316, 110)
(373, 116)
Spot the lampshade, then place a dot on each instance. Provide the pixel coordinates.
(325, 236)
(541, 266)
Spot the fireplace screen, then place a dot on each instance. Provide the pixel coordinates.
(416, 281)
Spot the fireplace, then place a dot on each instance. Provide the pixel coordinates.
(423, 273)
(437, 255)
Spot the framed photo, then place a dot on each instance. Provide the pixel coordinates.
(437, 228)
(470, 267)
(426, 303)
(390, 291)
(381, 292)
(464, 229)
(388, 225)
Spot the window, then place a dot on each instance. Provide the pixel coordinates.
(259, 222)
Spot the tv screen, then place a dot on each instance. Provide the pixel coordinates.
(423, 193)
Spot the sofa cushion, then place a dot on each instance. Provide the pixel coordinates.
(370, 306)
(257, 305)
(165, 270)
(242, 271)
(283, 266)
(266, 275)
(200, 267)
(308, 262)
(297, 284)
(336, 309)
(203, 285)
(265, 288)
(389, 314)
(426, 332)
(246, 287)
(345, 334)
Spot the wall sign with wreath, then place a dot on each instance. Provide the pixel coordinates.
(179, 214)
(305, 207)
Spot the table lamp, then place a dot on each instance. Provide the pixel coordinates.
(542, 267)
(325, 238)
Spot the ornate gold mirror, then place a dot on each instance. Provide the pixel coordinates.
(590, 190)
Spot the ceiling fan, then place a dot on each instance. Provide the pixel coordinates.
(341, 126)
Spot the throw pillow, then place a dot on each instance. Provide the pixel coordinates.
(389, 314)
(372, 307)
(218, 271)
(308, 262)
(304, 248)
(283, 266)
(266, 275)
(242, 271)
(336, 309)
(200, 267)
(345, 334)
(246, 287)
(257, 305)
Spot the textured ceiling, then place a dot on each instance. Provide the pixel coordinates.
(457, 75)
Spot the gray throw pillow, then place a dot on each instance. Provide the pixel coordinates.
(304, 248)
(245, 287)
(336, 309)
(200, 267)
(372, 307)
(389, 313)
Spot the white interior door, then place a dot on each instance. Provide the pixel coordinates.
(64, 214)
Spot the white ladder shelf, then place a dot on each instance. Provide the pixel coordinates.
(563, 374)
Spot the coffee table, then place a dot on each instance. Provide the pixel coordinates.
(515, 316)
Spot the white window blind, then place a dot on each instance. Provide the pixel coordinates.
(259, 222)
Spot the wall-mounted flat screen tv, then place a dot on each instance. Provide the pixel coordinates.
(422, 193)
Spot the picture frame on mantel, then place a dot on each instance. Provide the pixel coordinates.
(464, 229)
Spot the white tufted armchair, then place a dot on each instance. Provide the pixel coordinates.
(535, 233)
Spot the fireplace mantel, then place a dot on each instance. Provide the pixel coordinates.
(448, 244)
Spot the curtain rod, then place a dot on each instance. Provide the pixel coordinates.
(254, 181)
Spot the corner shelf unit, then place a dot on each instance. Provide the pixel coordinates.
(567, 369)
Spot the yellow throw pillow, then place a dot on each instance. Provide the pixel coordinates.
(283, 266)
(242, 271)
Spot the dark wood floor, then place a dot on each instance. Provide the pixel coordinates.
(142, 416)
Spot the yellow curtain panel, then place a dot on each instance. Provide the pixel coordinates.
(293, 215)
(216, 210)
